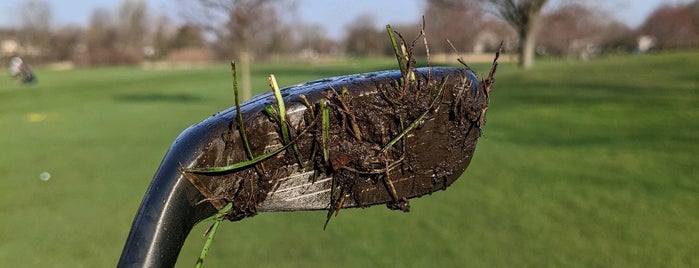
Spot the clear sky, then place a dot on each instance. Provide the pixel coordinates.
(334, 14)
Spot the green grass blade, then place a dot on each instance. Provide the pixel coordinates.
(308, 105)
(282, 109)
(271, 112)
(283, 124)
(239, 165)
(248, 163)
(239, 114)
(218, 218)
(396, 50)
(325, 129)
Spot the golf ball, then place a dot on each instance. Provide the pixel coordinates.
(45, 176)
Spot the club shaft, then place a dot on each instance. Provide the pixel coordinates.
(169, 209)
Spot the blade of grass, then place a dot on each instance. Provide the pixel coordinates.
(248, 163)
(239, 117)
(325, 142)
(280, 104)
(239, 165)
(427, 50)
(396, 50)
(307, 104)
(271, 112)
(325, 129)
(402, 55)
(283, 125)
(211, 232)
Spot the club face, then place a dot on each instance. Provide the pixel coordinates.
(287, 185)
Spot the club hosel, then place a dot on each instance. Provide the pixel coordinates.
(169, 209)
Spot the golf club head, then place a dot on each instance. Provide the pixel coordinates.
(315, 175)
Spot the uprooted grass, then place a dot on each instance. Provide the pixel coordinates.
(581, 164)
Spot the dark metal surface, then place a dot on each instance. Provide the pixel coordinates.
(168, 211)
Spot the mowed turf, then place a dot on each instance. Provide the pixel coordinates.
(581, 164)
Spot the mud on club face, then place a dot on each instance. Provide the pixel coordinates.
(387, 143)
(358, 140)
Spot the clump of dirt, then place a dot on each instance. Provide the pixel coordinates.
(387, 137)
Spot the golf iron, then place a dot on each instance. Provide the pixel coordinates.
(350, 141)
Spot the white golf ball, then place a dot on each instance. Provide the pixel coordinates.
(45, 176)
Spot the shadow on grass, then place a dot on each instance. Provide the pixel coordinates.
(158, 97)
(610, 113)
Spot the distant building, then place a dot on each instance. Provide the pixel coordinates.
(486, 41)
(8, 47)
(645, 43)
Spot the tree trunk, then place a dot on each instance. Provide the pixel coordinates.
(527, 43)
(244, 55)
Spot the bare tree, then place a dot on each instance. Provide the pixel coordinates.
(577, 29)
(523, 15)
(132, 24)
(161, 36)
(241, 27)
(672, 27)
(35, 27)
(313, 38)
(443, 16)
(693, 9)
(65, 42)
(187, 36)
(118, 37)
(584, 28)
(101, 38)
(363, 38)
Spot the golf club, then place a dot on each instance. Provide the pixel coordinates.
(428, 148)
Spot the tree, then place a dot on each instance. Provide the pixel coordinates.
(523, 15)
(161, 37)
(118, 37)
(132, 23)
(363, 38)
(187, 36)
(476, 32)
(672, 27)
(576, 29)
(101, 38)
(241, 27)
(313, 38)
(65, 42)
(35, 27)
(443, 16)
(693, 9)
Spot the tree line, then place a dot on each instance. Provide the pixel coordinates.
(257, 29)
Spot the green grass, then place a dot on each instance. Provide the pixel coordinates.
(581, 164)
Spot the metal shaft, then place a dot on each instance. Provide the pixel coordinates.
(169, 209)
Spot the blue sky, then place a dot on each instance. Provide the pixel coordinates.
(334, 14)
